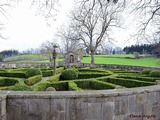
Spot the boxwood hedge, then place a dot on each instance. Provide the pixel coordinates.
(8, 81)
(33, 80)
(13, 74)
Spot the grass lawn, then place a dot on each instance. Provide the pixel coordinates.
(149, 62)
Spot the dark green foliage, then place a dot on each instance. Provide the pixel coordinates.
(33, 80)
(92, 70)
(148, 79)
(59, 70)
(86, 75)
(94, 84)
(8, 81)
(84, 84)
(54, 78)
(60, 86)
(155, 74)
(126, 82)
(63, 65)
(74, 66)
(73, 86)
(33, 72)
(146, 72)
(18, 87)
(41, 86)
(69, 74)
(13, 74)
(99, 85)
(47, 73)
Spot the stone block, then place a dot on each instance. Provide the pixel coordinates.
(131, 104)
(3, 108)
(121, 105)
(58, 109)
(108, 110)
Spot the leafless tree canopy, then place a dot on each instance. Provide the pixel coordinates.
(149, 13)
(93, 20)
(3, 15)
(69, 39)
(47, 8)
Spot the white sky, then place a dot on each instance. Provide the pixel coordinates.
(26, 30)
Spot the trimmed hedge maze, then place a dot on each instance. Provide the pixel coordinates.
(74, 79)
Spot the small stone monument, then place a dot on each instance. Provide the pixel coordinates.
(157, 82)
(50, 89)
(71, 58)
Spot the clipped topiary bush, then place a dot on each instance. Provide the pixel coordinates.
(18, 87)
(8, 81)
(69, 74)
(63, 65)
(146, 72)
(155, 74)
(13, 74)
(74, 66)
(54, 78)
(41, 86)
(33, 72)
(33, 80)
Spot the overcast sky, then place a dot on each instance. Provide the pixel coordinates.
(25, 29)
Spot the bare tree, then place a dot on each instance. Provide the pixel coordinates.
(47, 48)
(68, 38)
(148, 13)
(48, 8)
(3, 15)
(93, 19)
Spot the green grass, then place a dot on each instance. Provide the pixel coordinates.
(120, 59)
(148, 62)
(42, 58)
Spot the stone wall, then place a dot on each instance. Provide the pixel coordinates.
(120, 104)
(3, 105)
(112, 66)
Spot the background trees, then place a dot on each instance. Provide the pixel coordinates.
(147, 13)
(93, 20)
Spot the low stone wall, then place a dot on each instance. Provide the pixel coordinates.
(120, 104)
(3, 106)
(112, 66)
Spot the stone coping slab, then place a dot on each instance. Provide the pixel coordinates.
(76, 94)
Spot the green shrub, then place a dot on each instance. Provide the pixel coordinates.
(33, 72)
(60, 86)
(47, 73)
(73, 86)
(86, 75)
(74, 66)
(18, 87)
(33, 80)
(92, 70)
(146, 72)
(54, 78)
(129, 83)
(149, 79)
(84, 84)
(69, 74)
(99, 85)
(94, 84)
(63, 65)
(13, 74)
(8, 81)
(41, 86)
(155, 74)
(59, 70)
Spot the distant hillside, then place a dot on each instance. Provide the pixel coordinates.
(28, 58)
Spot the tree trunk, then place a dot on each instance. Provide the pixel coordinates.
(92, 58)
